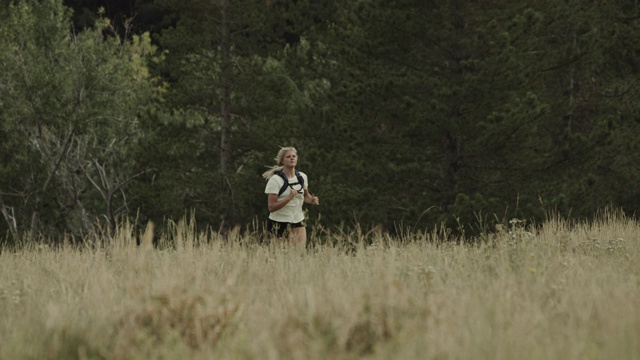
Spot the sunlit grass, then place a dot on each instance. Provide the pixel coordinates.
(560, 291)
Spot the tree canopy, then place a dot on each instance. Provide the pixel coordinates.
(406, 113)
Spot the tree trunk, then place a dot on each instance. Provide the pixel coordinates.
(226, 67)
(35, 217)
(9, 218)
(225, 89)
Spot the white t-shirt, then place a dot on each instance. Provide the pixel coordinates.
(292, 211)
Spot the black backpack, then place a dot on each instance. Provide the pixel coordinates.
(286, 181)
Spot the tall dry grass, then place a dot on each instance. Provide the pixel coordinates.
(561, 291)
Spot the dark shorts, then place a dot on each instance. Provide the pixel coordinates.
(281, 229)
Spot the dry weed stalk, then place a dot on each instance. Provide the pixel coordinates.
(191, 317)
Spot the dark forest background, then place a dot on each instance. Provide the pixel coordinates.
(406, 113)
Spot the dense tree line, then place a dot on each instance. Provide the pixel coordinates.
(406, 113)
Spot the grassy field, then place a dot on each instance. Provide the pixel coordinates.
(562, 291)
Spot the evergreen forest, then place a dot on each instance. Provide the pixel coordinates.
(406, 114)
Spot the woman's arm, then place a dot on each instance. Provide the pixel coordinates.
(274, 205)
(310, 199)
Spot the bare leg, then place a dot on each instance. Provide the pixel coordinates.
(298, 236)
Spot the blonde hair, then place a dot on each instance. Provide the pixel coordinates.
(279, 158)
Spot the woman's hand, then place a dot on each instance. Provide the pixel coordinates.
(311, 199)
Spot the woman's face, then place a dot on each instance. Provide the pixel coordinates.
(290, 158)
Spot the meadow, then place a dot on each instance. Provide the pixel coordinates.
(558, 290)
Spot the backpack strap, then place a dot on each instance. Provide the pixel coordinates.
(300, 179)
(286, 181)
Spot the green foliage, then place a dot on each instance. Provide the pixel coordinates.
(70, 106)
(445, 102)
(404, 111)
